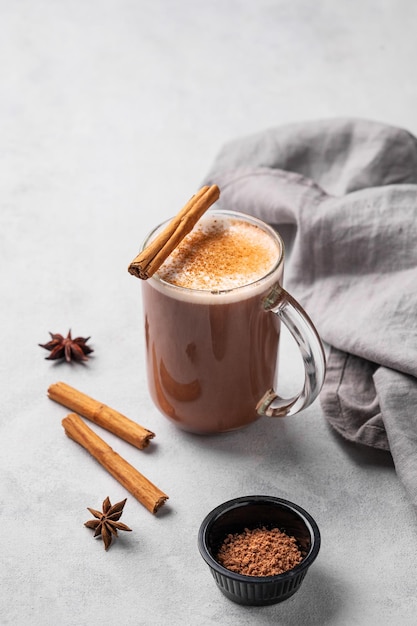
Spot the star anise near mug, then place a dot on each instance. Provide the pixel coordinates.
(107, 522)
(67, 347)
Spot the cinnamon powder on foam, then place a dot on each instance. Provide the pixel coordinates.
(220, 254)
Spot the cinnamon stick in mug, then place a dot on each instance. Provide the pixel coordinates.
(147, 262)
(138, 485)
(101, 414)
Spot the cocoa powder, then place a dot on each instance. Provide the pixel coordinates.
(259, 552)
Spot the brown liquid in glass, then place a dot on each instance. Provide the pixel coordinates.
(209, 364)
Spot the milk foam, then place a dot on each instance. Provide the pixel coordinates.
(221, 253)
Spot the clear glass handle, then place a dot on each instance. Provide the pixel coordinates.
(302, 329)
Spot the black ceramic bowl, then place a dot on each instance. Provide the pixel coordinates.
(253, 512)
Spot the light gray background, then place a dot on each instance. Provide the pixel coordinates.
(111, 113)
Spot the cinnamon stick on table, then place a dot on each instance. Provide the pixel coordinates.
(138, 485)
(101, 414)
(147, 262)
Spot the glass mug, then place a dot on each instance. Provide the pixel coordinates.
(212, 353)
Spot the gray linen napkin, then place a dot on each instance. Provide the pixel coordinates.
(347, 188)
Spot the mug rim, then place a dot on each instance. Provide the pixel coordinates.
(219, 292)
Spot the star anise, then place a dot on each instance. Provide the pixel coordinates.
(67, 347)
(106, 523)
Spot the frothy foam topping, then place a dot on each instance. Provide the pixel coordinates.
(220, 253)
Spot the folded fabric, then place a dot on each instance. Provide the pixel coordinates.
(347, 190)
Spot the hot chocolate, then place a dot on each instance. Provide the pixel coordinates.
(220, 254)
(211, 346)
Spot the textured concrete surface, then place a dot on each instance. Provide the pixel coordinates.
(111, 113)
